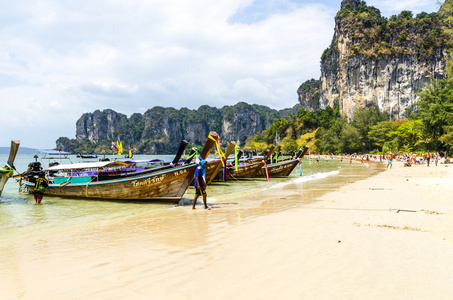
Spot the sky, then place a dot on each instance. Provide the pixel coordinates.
(60, 59)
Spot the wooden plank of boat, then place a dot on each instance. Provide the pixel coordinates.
(7, 170)
(284, 168)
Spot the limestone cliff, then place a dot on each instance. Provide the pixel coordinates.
(377, 61)
(308, 94)
(239, 123)
(159, 130)
(98, 125)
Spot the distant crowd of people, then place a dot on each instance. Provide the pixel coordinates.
(409, 159)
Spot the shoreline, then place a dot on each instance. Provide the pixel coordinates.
(386, 236)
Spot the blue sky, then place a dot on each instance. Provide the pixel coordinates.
(60, 59)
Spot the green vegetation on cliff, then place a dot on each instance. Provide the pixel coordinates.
(160, 129)
(372, 35)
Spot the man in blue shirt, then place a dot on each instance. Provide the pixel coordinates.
(200, 183)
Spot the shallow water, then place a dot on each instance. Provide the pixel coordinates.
(19, 217)
(103, 248)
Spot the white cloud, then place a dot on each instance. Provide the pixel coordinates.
(392, 7)
(62, 59)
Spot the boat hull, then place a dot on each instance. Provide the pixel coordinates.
(166, 185)
(282, 169)
(245, 171)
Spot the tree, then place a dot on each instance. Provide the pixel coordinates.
(447, 138)
(435, 108)
(379, 133)
(363, 120)
(407, 135)
(342, 137)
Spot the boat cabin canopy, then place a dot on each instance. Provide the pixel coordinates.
(52, 152)
(87, 165)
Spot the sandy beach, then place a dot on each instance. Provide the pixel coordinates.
(389, 236)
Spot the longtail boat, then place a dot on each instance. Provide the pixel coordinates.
(247, 168)
(285, 167)
(163, 184)
(7, 170)
(87, 155)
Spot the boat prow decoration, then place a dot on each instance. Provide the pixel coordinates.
(7, 171)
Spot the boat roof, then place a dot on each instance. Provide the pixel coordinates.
(152, 161)
(88, 165)
(47, 151)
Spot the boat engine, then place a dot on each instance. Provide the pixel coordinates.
(34, 169)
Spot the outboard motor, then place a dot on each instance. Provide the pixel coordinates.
(34, 169)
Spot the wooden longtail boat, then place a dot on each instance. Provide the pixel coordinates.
(88, 156)
(167, 184)
(248, 168)
(7, 170)
(283, 168)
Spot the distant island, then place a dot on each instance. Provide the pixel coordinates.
(22, 150)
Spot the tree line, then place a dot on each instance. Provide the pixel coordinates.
(428, 126)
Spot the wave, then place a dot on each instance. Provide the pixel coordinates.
(306, 178)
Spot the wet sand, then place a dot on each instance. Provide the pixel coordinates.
(389, 236)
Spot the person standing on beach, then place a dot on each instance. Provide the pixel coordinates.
(200, 184)
(428, 157)
(390, 161)
(40, 187)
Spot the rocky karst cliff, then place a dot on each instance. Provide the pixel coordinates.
(377, 61)
(98, 125)
(308, 94)
(159, 130)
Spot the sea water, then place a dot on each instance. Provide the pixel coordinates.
(19, 217)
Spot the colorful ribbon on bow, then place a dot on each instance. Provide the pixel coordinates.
(8, 169)
(219, 151)
(236, 157)
(195, 153)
